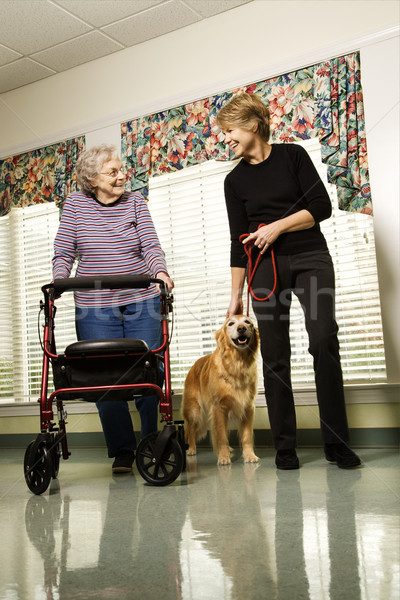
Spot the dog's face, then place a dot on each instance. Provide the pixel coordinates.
(240, 332)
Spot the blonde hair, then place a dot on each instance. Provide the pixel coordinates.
(245, 110)
(89, 165)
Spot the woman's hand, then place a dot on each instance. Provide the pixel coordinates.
(166, 279)
(235, 308)
(265, 236)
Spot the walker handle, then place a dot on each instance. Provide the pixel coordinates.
(101, 282)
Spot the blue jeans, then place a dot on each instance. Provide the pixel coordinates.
(140, 320)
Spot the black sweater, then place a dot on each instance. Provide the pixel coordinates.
(283, 184)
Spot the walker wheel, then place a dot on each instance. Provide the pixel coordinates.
(167, 469)
(38, 468)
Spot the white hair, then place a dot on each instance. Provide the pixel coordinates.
(90, 163)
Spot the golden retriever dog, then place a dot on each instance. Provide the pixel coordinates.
(221, 388)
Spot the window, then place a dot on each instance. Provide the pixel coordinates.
(188, 210)
(26, 238)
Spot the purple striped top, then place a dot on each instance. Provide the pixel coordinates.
(108, 240)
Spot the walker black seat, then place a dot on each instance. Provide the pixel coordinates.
(106, 362)
(106, 346)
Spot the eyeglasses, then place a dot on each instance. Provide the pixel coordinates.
(114, 173)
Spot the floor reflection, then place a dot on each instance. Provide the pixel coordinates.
(123, 546)
(227, 526)
(41, 515)
(342, 535)
(241, 532)
(289, 538)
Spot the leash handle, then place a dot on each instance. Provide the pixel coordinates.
(247, 249)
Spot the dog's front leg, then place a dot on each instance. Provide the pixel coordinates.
(219, 433)
(246, 435)
(190, 438)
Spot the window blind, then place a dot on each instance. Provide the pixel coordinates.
(29, 235)
(6, 350)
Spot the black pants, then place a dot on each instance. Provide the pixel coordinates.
(311, 277)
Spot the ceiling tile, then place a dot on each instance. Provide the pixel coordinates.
(21, 72)
(77, 51)
(7, 55)
(104, 12)
(30, 26)
(208, 8)
(152, 23)
(61, 34)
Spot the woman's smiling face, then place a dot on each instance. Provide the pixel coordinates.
(109, 184)
(240, 140)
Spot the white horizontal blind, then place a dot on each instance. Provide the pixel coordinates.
(6, 349)
(350, 237)
(190, 218)
(30, 237)
(188, 209)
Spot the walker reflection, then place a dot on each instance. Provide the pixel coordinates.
(115, 542)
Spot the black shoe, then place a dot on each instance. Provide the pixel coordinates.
(287, 459)
(123, 461)
(342, 455)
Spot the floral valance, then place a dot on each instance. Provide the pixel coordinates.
(43, 175)
(323, 100)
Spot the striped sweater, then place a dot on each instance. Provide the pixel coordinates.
(108, 240)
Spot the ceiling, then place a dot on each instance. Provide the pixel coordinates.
(39, 38)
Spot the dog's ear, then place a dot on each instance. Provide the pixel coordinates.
(218, 334)
(256, 340)
(219, 337)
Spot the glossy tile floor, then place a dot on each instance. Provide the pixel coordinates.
(242, 532)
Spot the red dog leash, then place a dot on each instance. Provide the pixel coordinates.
(251, 273)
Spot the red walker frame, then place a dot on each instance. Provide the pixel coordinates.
(160, 457)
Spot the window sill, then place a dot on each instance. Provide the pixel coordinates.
(360, 393)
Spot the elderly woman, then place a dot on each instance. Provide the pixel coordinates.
(111, 232)
(275, 195)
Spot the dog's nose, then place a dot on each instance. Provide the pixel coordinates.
(242, 329)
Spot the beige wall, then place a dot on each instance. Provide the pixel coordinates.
(380, 68)
(244, 45)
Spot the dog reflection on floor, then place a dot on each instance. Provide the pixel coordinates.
(220, 388)
(230, 526)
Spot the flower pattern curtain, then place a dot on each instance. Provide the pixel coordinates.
(323, 100)
(43, 175)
